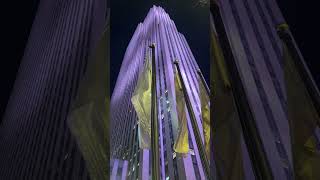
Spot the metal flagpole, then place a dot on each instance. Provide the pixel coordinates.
(204, 82)
(200, 145)
(251, 135)
(154, 121)
(285, 35)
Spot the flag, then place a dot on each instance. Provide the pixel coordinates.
(89, 116)
(303, 119)
(205, 113)
(226, 135)
(141, 100)
(181, 144)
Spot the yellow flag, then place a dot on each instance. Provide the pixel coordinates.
(303, 119)
(181, 144)
(226, 135)
(205, 113)
(141, 100)
(89, 116)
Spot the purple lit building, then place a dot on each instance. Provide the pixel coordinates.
(118, 169)
(251, 30)
(171, 45)
(35, 140)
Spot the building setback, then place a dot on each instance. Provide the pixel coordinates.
(171, 45)
(35, 141)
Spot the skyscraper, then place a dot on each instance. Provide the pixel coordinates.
(35, 141)
(251, 29)
(170, 45)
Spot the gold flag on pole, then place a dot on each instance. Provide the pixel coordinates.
(89, 116)
(303, 119)
(141, 100)
(205, 114)
(226, 135)
(181, 144)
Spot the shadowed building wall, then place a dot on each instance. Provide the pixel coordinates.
(251, 29)
(35, 142)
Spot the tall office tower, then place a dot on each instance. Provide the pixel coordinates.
(251, 27)
(170, 45)
(35, 141)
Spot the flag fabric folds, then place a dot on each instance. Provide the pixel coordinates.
(303, 120)
(181, 144)
(226, 135)
(205, 113)
(141, 100)
(89, 115)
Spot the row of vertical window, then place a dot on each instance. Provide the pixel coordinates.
(279, 145)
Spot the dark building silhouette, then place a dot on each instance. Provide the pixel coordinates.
(35, 142)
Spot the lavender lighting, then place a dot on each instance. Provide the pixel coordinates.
(171, 45)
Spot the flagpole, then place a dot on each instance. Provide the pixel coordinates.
(154, 121)
(285, 35)
(204, 82)
(251, 135)
(195, 127)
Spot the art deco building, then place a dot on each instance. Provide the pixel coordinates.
(171, 45)
(35, 141)
(251, 28)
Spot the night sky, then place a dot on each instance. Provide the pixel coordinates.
(303, 19)
(17, 17)
(16, 21)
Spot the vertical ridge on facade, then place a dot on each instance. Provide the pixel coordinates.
(35, 142)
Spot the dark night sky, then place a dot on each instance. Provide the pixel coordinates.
(16, 21)
(303, 19)
(17, 16)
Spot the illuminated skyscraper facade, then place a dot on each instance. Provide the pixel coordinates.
(251, 28)
(171, 45)
(35, 140)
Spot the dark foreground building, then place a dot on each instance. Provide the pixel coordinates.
(257, 50)
(35, 142)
